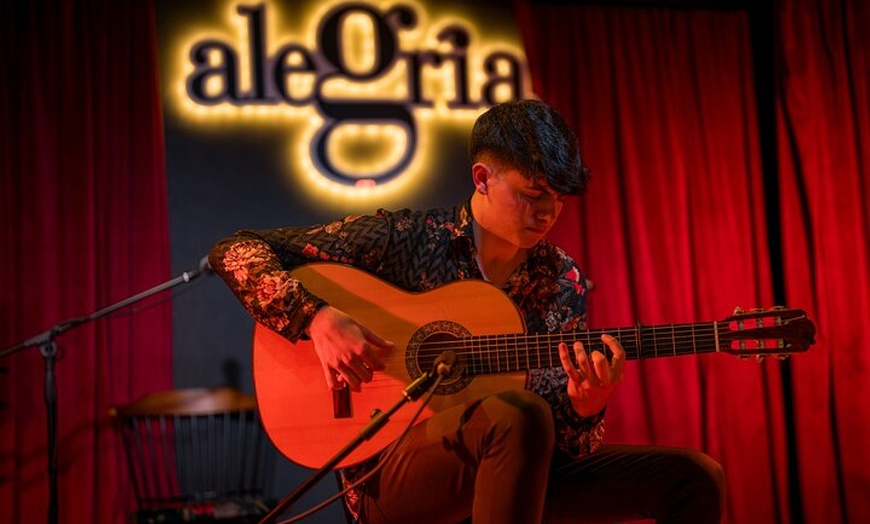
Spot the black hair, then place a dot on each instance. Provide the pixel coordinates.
(532, 137)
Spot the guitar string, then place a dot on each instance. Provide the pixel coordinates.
(681, 335)
(528, 341)
(528, 344)
(525, 339)
(547, 357)
(537, 352)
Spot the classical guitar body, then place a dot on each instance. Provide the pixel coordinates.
(477, 323)
(297, 408)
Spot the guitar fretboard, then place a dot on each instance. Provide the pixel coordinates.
(524, 351)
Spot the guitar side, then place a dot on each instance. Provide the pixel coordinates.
(296, 407)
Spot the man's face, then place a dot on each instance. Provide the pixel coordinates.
(519, 210)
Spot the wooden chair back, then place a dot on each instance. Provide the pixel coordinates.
(196, 453)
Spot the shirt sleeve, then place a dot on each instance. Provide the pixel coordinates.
(576, 436)
(256, 265)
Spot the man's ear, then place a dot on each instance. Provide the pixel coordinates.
(480, 175)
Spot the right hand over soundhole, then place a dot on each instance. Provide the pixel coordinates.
(348, 351)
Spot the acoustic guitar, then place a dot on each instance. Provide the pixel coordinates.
(482, 327)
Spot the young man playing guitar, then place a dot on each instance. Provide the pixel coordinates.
(519, 455)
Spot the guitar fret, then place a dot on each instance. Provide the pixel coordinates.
(716, 335)
(533, 346)
(638, 341)
(518, 355)
(489, 353)
(694, 342)
(540, 360)
(525, 353)
(499, 356)
(507, 355)
(503, 354)
(547, 349)
(493, 353)
(482, 354)
(530, 346)
(493, 347)
(472, 357)
(528, 350)
(475, 348)
(481, 351)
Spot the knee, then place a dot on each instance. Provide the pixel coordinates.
(703, 480)
(526, 417)
(710, 474)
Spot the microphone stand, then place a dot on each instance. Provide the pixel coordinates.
(47, 345)
(442, 369)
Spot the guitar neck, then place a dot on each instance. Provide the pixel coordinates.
(524, 351)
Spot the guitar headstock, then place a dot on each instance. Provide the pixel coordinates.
(776, 332)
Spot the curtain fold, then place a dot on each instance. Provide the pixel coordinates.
(823, 127)
(84, 212)
(673, 227)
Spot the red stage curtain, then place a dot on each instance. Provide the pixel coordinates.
(83, 217)
(824, 156)
(673, 227)
(672, 230)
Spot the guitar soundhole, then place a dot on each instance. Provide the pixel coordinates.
(428, 343)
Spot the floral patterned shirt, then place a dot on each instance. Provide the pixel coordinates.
(416, 251)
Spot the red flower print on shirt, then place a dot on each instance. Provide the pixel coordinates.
(310, 250)
(272, 288)
(241, 259)
(574, 276)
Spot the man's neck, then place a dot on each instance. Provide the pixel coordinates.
(496, 258)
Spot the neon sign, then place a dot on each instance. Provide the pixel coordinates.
(366, 81)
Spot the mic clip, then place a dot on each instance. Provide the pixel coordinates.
(443, 367)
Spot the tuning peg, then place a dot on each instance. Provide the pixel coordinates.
(778, 308)
(738, 310)
(782, 356)
(759, 358)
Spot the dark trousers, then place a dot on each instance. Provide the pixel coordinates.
(494, 461)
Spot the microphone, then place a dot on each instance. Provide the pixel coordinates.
(443, 367)
(445, 364)
(204, 266)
